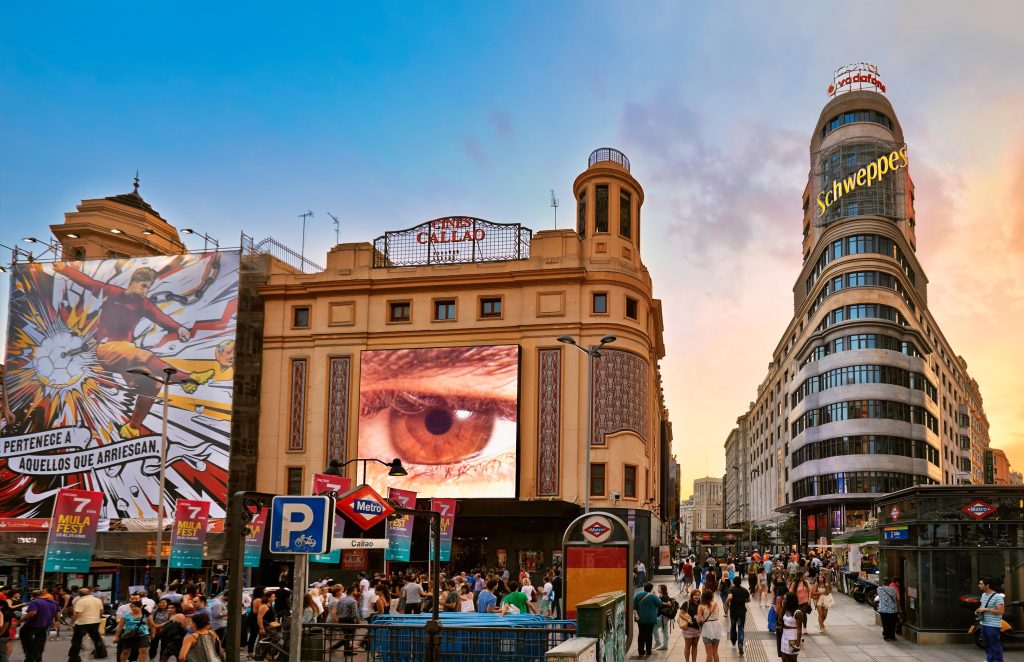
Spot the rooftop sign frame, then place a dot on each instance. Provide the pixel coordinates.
(452, 240)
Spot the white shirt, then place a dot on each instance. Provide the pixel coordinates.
(546, 591)
(148, 605)
(640, 567)
(528, 590)
(369, 599)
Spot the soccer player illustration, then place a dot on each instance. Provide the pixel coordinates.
(116, 352)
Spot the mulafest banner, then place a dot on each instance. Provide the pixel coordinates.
(254, 539)
(89, 344)
(189, 533)
(400, 527)
(76, 514)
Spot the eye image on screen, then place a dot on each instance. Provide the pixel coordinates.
(449, 413)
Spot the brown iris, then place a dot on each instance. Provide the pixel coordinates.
(439, 435)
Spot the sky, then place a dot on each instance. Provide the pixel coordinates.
(243, 116)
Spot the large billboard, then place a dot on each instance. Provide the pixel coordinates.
(449, 413)
(77, 412)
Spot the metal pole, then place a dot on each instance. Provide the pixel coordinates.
(590, 424)
(163, 483)
(295, 619)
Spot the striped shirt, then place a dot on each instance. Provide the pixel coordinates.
(991, 601)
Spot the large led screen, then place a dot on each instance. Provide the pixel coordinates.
(449, 413)
(79, 414)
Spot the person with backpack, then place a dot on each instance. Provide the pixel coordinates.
(646, 606)
(202, 645)
(132, 634)
(666, 614)
(737, 603)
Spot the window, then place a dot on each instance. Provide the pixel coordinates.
(600, 303)
(444, 310)
(631, 306)
(601, 221)
(581, 215)
(629, 482)
(399, 311)
(490, 307)
(300, 317)
(295, 480)
(626, 214)
(596, 480)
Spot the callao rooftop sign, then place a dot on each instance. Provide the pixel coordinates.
(854, 77)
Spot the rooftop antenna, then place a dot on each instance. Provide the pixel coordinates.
(337, 225)
(554, 205)
(302, 253)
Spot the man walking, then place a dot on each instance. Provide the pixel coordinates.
(737, 604)
(646, 605)
(640, 572)
(37, 619)
(85, 619)
(990, 615)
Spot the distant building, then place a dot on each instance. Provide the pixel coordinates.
(997, 467)
(686, 521)
(736, 497)
(1016, 478)
(707, 503)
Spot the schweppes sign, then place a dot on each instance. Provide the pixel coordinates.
(870, 174)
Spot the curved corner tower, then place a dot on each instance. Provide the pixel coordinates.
(864, 395)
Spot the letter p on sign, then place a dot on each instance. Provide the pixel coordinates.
(297, 517)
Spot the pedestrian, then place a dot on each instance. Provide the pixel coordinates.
(413, 594)
(516, 602)
(203, 643)
(823, 600)
(646, 606)
(709, 616)
(990, 616)
(556, 594)
(686, 619)
(888, 609)
(687, 575)
(666, 612)
(640, 573)
(219, 616)
(737, 604)
(8, 628)
(85, 620)
(547, 596)
(793, 620)
(802, 590)
(172, 632)
(762, 585)
(36, 620)
(132, 634)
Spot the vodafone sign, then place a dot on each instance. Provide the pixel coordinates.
(853, 77)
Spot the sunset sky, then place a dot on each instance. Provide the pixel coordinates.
(389, 114)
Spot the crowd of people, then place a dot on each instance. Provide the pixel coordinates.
(719, 593)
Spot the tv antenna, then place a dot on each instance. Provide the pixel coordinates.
(554, 205)
(337, 226)
(302, 253)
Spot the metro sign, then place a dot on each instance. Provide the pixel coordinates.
(365, 507)
(979, 509)
(895, 513)
(597, 529)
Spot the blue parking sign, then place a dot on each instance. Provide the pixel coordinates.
(301, 524)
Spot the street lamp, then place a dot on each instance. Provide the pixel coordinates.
(395, 467)
(206, 238)
(55, 247)
(592, 353)
(166, 381)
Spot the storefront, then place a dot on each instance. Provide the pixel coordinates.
(938, 540)
(856, 552)
(719, 543)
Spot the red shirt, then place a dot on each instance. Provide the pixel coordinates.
(121, 311)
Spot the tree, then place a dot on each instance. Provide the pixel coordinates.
(764, 535)
(789, 531)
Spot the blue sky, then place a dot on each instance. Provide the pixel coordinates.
(387, 114)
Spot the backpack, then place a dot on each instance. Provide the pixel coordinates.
(205, 648)
(669, 609)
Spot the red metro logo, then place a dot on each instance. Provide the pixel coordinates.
(858, 76)
(979, 509)
(597, 529)
(365, 507)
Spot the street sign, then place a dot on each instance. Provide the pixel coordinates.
(979, 509)
(597, 529)
(360, 543)
(301, 524)
(364, 507)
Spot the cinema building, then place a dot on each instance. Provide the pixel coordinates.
(440, 345)
(864, 395)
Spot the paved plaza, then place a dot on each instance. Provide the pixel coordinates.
(851, 636)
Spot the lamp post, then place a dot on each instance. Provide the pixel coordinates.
(592, 353)
(54, 247)
(207, 239)
(166, 382)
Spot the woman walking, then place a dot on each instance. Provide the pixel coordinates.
(888, 609)
(687, 621)
(823, 596)
(661, 629)
(709, 616)
(802, 590)
(762, 587)
(133, 634)
(793, 619)
(203, 641)
(250, 618)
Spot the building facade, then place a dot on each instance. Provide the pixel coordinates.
(997, 467)
(863, 395)
(444, 346)
(707, 503)
(686, 521)
(736, 498)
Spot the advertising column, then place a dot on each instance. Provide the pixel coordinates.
(73, 531)
(189, 533)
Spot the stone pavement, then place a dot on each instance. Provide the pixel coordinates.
(850, 636)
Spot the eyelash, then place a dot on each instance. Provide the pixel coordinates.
(413, 403)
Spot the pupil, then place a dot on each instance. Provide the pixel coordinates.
(438, 421)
